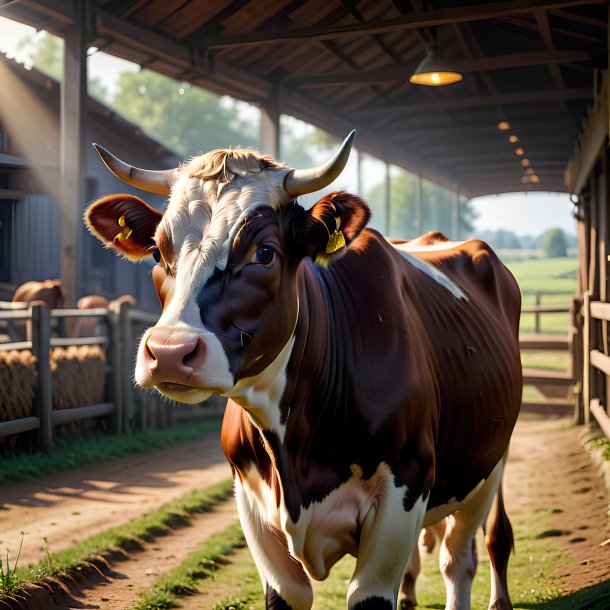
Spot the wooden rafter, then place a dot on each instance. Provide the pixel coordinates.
(462, 14)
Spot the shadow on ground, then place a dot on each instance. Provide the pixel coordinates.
(596, 597)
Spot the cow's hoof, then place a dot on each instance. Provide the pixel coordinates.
(500, 604)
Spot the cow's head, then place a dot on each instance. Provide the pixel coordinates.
(227, 249)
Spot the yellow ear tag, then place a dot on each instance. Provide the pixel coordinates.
(335, 242)
(125, 233)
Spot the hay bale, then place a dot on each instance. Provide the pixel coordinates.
(17, 384)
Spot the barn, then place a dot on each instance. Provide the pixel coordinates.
(30, 216)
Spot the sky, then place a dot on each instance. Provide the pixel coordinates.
(523, 213)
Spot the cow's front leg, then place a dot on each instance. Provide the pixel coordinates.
(285, 583)
(388, 536)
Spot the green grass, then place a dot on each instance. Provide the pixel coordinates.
(126, 537)
(78, 452)
(546, 275)
(532, 581)
(199, 565)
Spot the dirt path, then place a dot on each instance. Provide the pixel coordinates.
(69, 506)
(120, 587)
(549, 470)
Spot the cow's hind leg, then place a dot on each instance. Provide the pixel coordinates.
(499, 542)
(458, 559)
(285, 583)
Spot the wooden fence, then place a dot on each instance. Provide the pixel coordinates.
(596, 365)
(126, 407)
(556, 385)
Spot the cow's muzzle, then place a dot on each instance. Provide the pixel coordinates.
(171, 357)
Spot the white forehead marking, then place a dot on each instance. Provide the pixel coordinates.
(209, 202)
(436, 274)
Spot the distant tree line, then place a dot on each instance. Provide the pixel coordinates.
(554, 242)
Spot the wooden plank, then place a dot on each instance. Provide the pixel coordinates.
(63, 416)
(18, 314)
(16, 426)
(550, 407)
(79, 341)
(599, 310)
(544, 342)
(413, 21)
(601, 416)
(15, 345)
(586, 369)
(546, 309)
(540, 377)
(78, 313)
(600, 361)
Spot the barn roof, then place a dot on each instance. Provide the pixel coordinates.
(343, 64)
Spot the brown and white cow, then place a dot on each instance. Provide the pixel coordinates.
(372, 388)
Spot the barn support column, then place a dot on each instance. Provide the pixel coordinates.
(388, 198)
(419, 225)
(72, 157)
(270, 128)
(455, 215)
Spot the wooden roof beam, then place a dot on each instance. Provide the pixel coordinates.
(482, 64)
(520, 97)
(462, 14)
(547, 38)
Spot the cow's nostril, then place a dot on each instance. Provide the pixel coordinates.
(150, 353)
(195, 355)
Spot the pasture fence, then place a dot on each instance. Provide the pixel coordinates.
(124, 407)
(558, 387)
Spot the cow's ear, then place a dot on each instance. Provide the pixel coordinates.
(124, 223)
(333, 223)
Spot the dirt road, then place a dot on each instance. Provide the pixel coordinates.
(71, 505)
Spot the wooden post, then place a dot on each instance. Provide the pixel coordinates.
(72, 158)
(586, 369)
(419, 224)
(126, 360)
(41, 345)
(270, 128)
(576, 353)
(537, 314)
(455, 215)
(387, 199)
(116, 369)
(359, 174)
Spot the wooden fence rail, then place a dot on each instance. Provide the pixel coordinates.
(126, 408)
(596, 362)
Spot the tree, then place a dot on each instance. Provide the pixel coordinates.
(46, 53)
(186, 118)
(500, 239)
(554, 243)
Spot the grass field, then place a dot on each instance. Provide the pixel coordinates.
(550, 275)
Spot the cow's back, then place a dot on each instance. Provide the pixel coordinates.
(475, 341)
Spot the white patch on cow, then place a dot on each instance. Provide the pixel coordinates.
(259, 517)
(387, 538)
(202, 219)
(338, 524)
(430, 270)
(260, 395)
(436, 514)
(415, 246)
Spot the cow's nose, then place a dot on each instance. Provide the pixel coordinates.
(171, 357)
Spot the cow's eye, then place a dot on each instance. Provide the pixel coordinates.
(264, 255)
(156, 255)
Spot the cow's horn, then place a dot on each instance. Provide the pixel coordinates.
(158, 182)
(301, 181)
